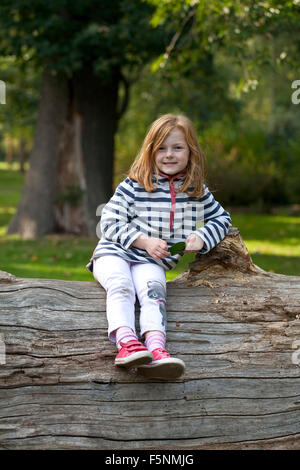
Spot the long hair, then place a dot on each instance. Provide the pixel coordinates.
(144, 166)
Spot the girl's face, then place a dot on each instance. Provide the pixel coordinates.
(173, 155)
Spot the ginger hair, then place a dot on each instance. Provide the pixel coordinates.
(144, 166)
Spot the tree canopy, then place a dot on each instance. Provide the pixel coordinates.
(71, 33)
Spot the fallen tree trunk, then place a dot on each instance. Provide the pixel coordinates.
(236, 327)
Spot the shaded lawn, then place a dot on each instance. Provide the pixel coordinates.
(273, 241)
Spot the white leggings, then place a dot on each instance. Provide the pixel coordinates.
(122, 281)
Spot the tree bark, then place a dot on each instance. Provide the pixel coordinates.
(69, 208)
(35, 215)
(97, 102)
(85, 172)
(22, 154)
(236, 327)
(71, 165)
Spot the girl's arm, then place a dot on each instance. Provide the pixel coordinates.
(116, 224)
(216, 222)
(117, 214)
(155, 247)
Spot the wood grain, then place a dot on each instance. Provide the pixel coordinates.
(234, 325)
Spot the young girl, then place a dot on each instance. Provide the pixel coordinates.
(162, 201)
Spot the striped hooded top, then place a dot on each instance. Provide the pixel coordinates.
(162, 213)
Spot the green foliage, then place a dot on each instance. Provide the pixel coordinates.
(69, 34)
(292, 179)
(231, 72)
(208, 26)
(248, 169)
(177, 248)
(18, 115)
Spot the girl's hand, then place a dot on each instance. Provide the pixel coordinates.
(156, 247)
(193, 243)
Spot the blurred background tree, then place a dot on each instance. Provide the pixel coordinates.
(239, 58)
(18, 116)
(228, 65)
(89, 52)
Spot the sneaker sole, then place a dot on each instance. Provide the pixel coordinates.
(135, 359)
(169, 368)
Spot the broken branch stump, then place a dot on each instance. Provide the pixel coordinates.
(236, 327)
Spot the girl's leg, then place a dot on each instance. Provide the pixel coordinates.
(123, 335)
(113, 273)
(154, 340)
(150, 285)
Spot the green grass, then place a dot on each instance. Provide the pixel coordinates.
(273, 242)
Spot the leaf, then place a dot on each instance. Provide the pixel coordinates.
(177, 248)
(158, 63)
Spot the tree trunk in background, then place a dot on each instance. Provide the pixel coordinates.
(22, 153)
(69, 207)
(97, 104)
(71, 165)
(35, 215)
(9, 151)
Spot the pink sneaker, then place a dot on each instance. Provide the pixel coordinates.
(133, 353)
(163, 366)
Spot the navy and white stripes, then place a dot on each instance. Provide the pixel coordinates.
(133, 211)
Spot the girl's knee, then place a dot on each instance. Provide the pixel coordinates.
(120, 284)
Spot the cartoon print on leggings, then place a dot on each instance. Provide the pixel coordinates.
(157, 292)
